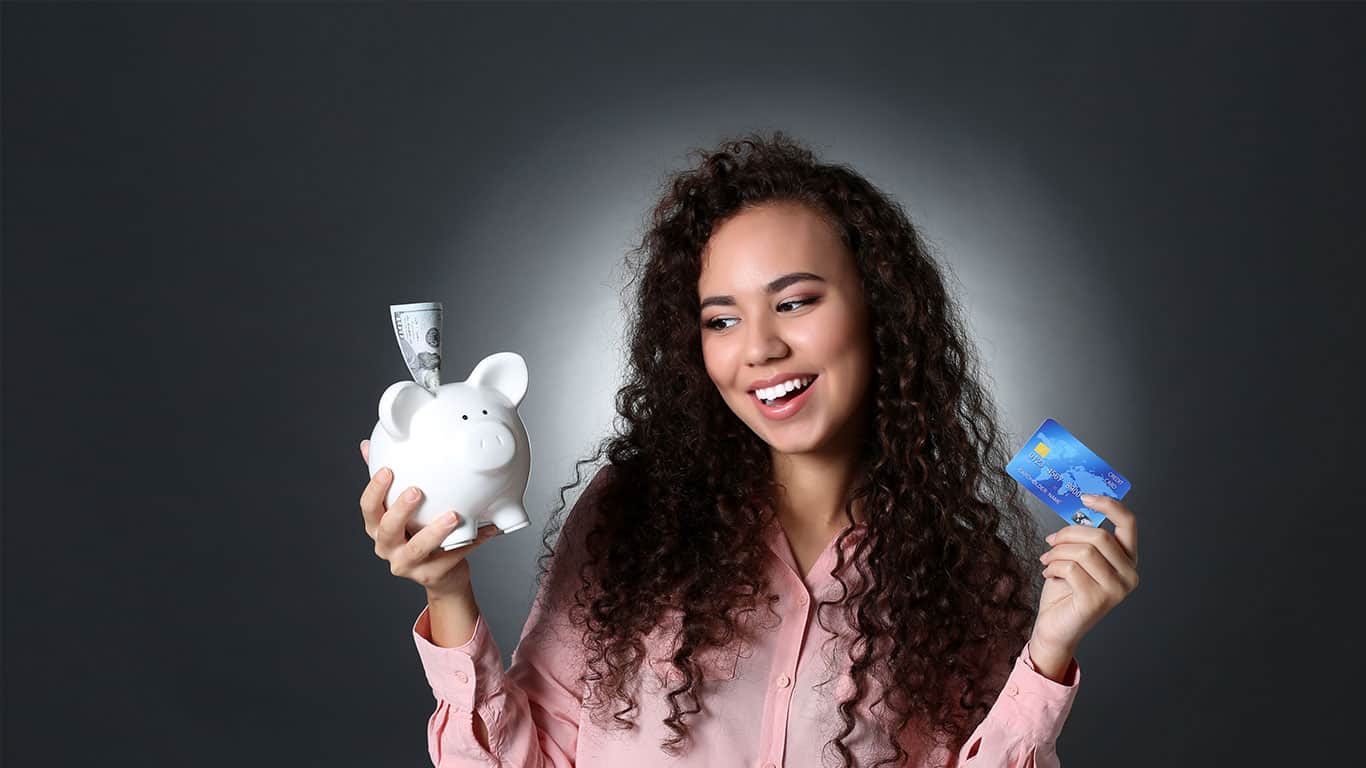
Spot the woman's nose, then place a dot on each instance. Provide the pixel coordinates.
(763, 343)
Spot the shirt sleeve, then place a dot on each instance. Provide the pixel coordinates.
(531, 710)
(1021, 729)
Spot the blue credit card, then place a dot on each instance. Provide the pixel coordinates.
(1057, 468)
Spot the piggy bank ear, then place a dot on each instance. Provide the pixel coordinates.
(504, 372)
(397, 406)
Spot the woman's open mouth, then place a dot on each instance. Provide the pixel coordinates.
(786, 405)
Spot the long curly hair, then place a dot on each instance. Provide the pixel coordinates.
(937, 591)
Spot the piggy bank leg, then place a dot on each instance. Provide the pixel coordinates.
(509, 515)
(463, 534)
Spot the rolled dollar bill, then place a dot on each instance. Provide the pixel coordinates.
(418, 330)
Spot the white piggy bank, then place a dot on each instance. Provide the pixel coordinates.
(464, 447)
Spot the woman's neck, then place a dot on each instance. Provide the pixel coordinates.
(811, 490)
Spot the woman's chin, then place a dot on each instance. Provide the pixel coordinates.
(792, 439)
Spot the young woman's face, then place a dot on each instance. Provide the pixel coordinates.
(781, 300)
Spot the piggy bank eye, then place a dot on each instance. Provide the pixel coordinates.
(486, 413)
(463, 416)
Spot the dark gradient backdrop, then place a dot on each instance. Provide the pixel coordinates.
(1149, 211)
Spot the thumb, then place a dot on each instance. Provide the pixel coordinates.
(365, 450)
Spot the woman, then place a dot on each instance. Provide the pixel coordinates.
(802, 545)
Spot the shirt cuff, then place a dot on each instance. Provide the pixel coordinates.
(1038, 704)
(466, 675)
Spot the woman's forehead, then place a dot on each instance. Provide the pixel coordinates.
(751, 249)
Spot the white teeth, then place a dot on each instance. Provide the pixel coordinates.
(771, 393)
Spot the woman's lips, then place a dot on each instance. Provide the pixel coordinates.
(785, 410)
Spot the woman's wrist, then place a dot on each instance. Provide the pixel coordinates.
(451, 596)
(457, 586)
(454, 617)
(1053, 663)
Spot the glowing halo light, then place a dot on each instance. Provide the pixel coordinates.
(551, 227)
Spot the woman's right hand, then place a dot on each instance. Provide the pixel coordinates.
(419, 558)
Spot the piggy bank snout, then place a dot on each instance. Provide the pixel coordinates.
(488, 445)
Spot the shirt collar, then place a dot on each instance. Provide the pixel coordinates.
(820, 571)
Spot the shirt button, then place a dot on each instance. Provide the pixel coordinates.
(784, 681)
(1011, 690)
(802, 600)
(462, 678)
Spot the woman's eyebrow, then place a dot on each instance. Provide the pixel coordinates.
(772, 287)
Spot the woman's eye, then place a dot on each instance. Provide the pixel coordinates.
(713, 323)
(799, 301)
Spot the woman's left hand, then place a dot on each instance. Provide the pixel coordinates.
(1090, 571)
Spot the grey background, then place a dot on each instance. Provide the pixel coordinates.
(207, 209)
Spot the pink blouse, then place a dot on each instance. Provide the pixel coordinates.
(766, 704)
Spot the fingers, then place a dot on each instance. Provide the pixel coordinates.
(1126, 524)
(1087, 545)
(412, 560)
(419, 557)
(484, 533)
(1087, 594)
(423, 560)
(389, 535)
(1098, 569)
(427, 542)
(372, 499)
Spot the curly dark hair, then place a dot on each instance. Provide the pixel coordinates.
(938, 590)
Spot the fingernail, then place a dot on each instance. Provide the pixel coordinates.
(384, 475)
(450, 518)
(1089, 497)
(1049, 538)
(412, 494)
